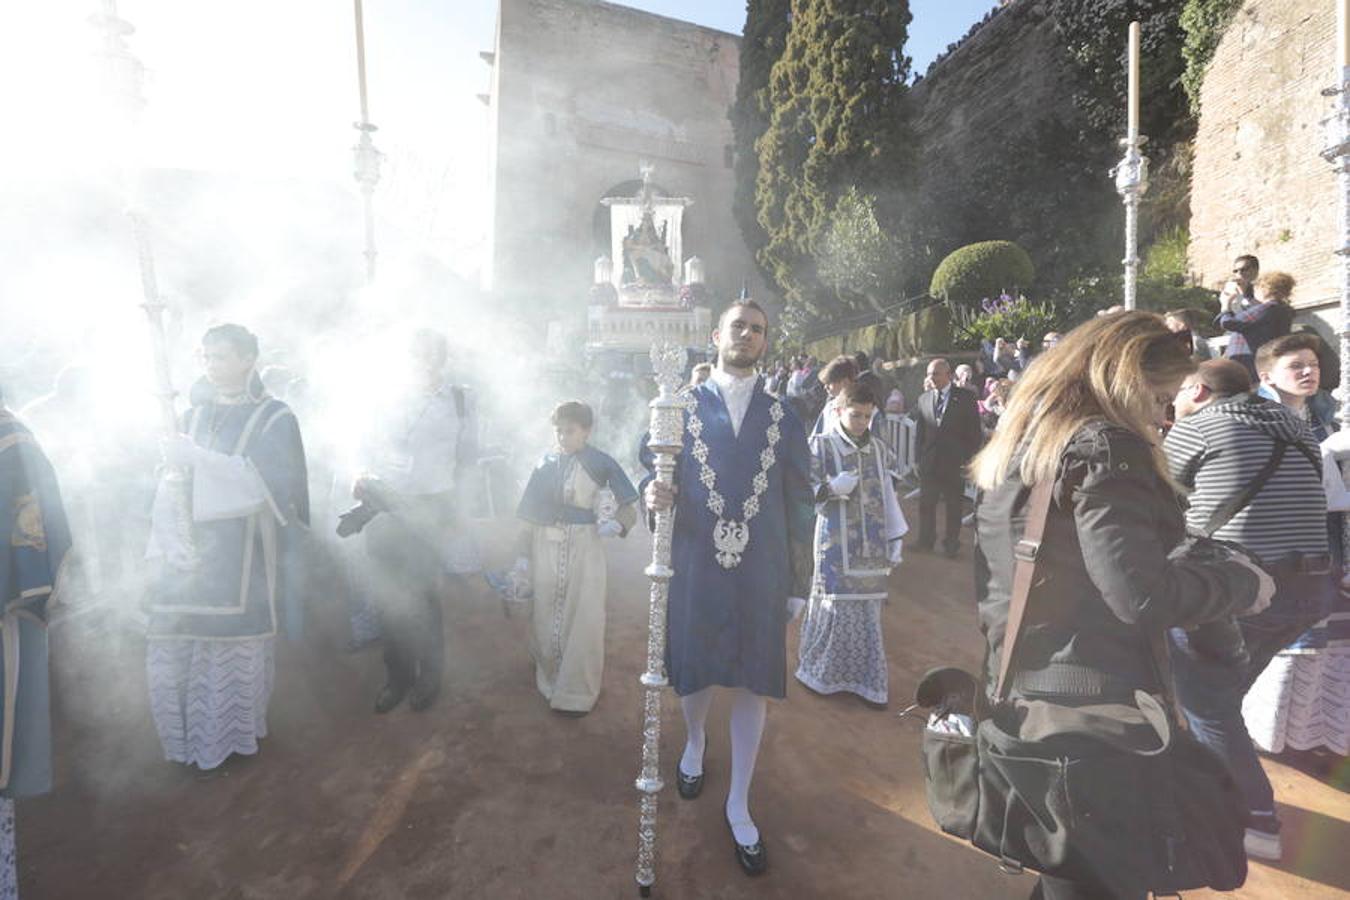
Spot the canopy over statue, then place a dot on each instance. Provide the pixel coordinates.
(646, 291)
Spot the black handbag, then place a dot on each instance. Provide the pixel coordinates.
(1114, 795)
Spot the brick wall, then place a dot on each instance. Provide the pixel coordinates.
(1259, 185)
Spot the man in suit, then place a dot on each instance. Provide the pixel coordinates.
(948, 436)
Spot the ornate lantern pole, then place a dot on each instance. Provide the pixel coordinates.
(1337, 153)
(665, 441)
(124, 76)
(367, 158)
(1131, 174)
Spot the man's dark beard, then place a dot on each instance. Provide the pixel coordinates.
(741, 359)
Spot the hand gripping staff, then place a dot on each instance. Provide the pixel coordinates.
(665, 441)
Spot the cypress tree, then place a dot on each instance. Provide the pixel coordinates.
(762, 40)
(837, 121)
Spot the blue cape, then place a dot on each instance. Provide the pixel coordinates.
(542, 502)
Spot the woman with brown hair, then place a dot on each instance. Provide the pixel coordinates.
(1270, 318)
(1088, 417)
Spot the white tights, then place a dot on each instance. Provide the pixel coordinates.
(747, 727)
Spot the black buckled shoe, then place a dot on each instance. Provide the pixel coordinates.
(689, 786)
(390, 696)
(752, 858)
(424, 693)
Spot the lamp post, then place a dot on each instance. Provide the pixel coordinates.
(1131, 174)
(666, 439)
(366, 158)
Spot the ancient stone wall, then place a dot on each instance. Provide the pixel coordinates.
(1008, 73)
(582, 91)
(1259, 185)
(994, 121)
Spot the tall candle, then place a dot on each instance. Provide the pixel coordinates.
(1343, 33)
(1133, 125)
(361, 63)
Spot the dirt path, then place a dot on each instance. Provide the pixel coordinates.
(491, 795)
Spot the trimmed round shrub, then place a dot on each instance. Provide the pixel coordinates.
(976, 271)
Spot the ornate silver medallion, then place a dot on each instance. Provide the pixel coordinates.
(730, 538)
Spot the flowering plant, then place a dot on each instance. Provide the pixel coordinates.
(1001, 304)
(1005, 316)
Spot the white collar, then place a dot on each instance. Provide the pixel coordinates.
(734, 383)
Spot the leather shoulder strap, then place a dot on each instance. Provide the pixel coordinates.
(1024, 576)
(1238, 502)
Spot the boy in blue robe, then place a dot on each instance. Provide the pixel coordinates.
(576, 496)
(859, 525)
(741, 556)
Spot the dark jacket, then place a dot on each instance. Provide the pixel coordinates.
(1107, 585)
(945, 448)
(1255, 325)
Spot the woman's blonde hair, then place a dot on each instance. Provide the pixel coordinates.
(1109, 368)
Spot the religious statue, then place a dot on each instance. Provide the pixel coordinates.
(646, 259)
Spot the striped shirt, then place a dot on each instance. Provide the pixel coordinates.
(1219, 450)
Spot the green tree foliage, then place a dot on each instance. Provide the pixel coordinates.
(1054, 198)
(976, 272)
(859, 258)
(1203, 23)
(1165, 259)
(762, 40)
(837, 97)
(1164, 283)
(1094, 35)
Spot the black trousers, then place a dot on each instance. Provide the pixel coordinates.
(414, 639)
(949, 489)
(408, 589)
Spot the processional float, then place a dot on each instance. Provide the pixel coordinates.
(665, 442)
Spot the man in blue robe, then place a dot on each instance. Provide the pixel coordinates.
(741, 554)
(37, 541)
(214, 607)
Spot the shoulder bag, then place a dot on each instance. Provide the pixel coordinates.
(1114, 795)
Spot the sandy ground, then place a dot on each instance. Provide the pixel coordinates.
(491, 795)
